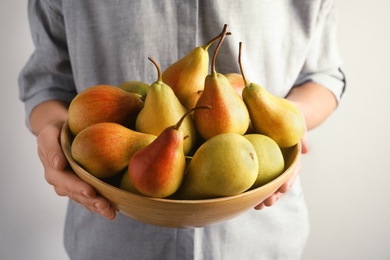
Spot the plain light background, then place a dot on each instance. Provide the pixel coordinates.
(346, 175)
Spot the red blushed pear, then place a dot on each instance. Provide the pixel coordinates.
(236, 81)
(229, 113)
(102, 103)
(158, 169)
(104, 149)
(272, 116)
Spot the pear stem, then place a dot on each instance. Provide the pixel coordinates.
(159, 75)
(246, 82)
(178, 124)
(221, 39)
(214, 39)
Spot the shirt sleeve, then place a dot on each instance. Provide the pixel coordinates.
(47, 74)
(323, 63)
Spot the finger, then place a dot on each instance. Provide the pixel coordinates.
(97, 204)
(270, 201)
(104, 208)
(70, 183)
(260, 206)
(65, 181)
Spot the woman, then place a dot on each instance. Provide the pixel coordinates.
(289, 48)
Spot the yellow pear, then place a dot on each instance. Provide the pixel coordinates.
(273, 116)
(269, 156)
(163, 109)
(224, 165)
(186, 76)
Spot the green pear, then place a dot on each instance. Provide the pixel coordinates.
(126, 184)
(163, 109)
(273, 116)
(135, 86)
(269, 156)
(104, 149)
(229, 113)
(102, 103)
(224, 165)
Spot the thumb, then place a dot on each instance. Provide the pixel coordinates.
(49, 148)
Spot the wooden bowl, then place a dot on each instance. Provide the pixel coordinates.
(180, 213)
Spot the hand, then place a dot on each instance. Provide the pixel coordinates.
(271, 200)
(63, 179)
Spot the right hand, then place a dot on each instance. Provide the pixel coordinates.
(63, 179)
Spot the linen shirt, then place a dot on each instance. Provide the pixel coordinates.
(81, 43)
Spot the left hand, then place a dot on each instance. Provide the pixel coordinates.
(271, 200)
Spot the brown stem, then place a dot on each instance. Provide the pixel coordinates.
(240, 63)
(159, 75)
(222, 38)
(214, 39)
(178, 124)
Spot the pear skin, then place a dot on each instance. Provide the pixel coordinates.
(157, 170)
(270, 115)
(102, 103)
(229, 113)
(224, 165)
(236, 81)
(273, 116)
(104, 149)
(270, 158)
(163, 109)
(135, 86)
(126, 184)
(186, 76)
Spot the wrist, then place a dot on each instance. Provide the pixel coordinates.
(47, 113)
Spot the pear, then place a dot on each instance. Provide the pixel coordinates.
(104, 149)
(229, 113)
(102, 103)
(135, 86)
(157, 170)
(186, 76)
(224, 165)
(269, 156)
(270, 115)
(236, 81)
(126, 184)
(163, 109)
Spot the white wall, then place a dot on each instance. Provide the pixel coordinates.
(31, 216)
(345, 176)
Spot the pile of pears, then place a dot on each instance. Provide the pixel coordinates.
(192, 134)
